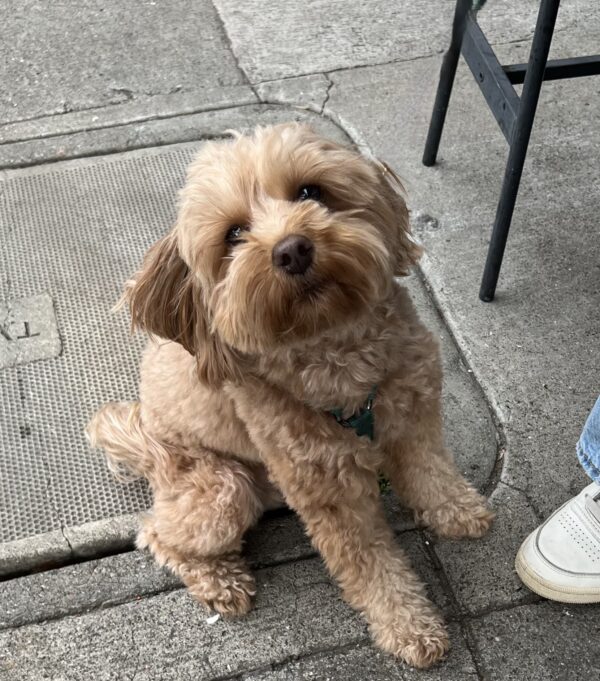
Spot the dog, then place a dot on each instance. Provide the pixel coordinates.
(286, 363)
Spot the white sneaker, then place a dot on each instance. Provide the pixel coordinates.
(561, 559)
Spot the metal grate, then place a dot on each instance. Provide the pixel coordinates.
(70, 234)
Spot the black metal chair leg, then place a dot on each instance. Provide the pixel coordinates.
(518, 146)
(444, 90)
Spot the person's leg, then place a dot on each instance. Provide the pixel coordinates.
(560, 560)
(588, 447)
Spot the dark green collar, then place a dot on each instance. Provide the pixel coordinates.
(363, 420)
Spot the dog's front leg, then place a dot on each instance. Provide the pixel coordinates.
(329, 476)
(422, 470)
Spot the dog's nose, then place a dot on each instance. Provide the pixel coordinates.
(294, 254)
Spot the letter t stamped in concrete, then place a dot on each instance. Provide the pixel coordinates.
(28, 331)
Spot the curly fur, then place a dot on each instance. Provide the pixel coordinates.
(247, 359)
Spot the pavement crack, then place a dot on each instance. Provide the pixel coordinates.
(227, 37)
(347, 69)
(255, 92)
(316, 654)
(63, 531)
(330, 85)
(540, 516)
(136, 651)
(528, 599)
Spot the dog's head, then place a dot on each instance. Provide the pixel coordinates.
(281, 236)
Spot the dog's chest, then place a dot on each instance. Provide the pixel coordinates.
(331, 376)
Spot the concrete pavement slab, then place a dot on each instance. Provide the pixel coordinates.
(469, 428)
(139, 621)
(126, 576)
(539, 642)
(70, 56)
(365, 662)
(481, 573)
(167, 636)
(74, 589)
(152, 132)
(159, 107)
(279, 40)
(44, 551)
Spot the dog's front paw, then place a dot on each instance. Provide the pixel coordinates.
(420, 642)
(232, 600)
(223, 585)
(463, 516)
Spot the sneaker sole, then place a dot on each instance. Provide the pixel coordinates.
(547, 589)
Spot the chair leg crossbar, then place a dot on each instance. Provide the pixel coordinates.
(514, 114)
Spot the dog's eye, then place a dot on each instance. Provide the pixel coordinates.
(234, 234)
(309, 192)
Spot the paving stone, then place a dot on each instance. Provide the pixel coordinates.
(481, 572)
(157, 107)
(540, 642)
(84, 586)
(69, 56)
(125, 576)
(365, 662)
(153, 132)
(298, 612)
(275, 40)
(22, 555)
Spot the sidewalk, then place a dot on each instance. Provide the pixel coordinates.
(106, 104)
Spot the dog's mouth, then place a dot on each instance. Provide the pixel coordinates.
(313, 289)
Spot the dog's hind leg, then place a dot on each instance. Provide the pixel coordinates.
(196, 527)
(203, 504)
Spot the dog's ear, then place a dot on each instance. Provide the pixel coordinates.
(161, 293)
(165, 300)
(394, 214)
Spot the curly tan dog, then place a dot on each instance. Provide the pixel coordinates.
(273, 304)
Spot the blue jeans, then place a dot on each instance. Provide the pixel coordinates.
(588, 447)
